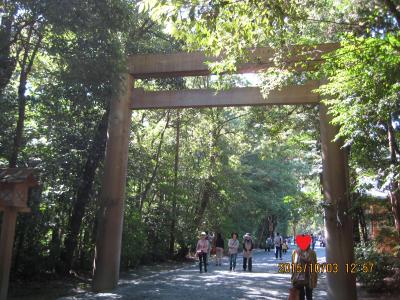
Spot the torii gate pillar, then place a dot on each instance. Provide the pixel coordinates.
(109, 233)
(338, 222)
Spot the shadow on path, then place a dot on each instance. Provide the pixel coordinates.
(187, 283)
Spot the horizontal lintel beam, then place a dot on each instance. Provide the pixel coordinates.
(246, 96)
(159, 65)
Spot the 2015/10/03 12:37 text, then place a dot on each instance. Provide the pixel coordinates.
(325, 267)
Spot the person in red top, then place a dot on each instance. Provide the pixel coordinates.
(201, 250)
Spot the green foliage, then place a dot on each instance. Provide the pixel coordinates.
(383, 265)
(363, 83)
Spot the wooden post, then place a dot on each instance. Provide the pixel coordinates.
(339, 225)
(6, 247)
(109, 234)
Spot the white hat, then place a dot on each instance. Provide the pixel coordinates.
(203, 233)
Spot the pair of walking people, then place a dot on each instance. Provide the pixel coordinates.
(233, 245)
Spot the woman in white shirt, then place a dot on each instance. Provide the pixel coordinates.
(233, 245)
(201, 250)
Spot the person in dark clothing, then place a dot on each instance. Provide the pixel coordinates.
(278, 246)
(313, 241)
(219, 249)
(268, 244)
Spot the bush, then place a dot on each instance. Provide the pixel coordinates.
(384, 265)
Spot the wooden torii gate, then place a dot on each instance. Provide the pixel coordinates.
(339, 228)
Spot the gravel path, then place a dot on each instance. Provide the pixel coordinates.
(219, 283)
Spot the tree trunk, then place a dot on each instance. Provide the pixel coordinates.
(363, 224)
(26, 66)
(262, 230)
(394, 195)
(148, 185)
(95, 154)
(356, 229)
(208, 183)
(205, 200)
(175, 194)
(294, 229)
(20, 122)
(7, 63)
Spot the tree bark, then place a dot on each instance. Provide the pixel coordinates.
(204, 201)
(363, 225)
(26, 67)
(394, 194)
(208, 183)
(148, 185)
(294, 229)
(94, 155)
(7, 63)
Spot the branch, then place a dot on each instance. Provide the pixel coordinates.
(34, 52)
(154, 173)
(18, 33)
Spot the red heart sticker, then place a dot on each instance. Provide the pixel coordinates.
(303, 241)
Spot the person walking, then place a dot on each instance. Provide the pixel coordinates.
(313, 241)
(201, 250)
(285, 247)
(233, 246)
(278, 246)
(247, 252)
(219, 249)
(305, 281)
(268, 244)
(209, 238)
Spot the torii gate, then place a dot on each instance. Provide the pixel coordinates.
(339, 225)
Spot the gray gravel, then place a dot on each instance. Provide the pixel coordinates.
(219, 283)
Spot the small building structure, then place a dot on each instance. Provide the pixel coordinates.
(14, 190)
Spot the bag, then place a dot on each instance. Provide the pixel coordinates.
(294, 294)
(300, 278)
(213, 250)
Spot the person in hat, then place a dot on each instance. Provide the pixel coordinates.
(233, 245)
(285, 246)
(247, 252)
(201, 250)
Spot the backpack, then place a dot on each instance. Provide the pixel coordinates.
(300, 279)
